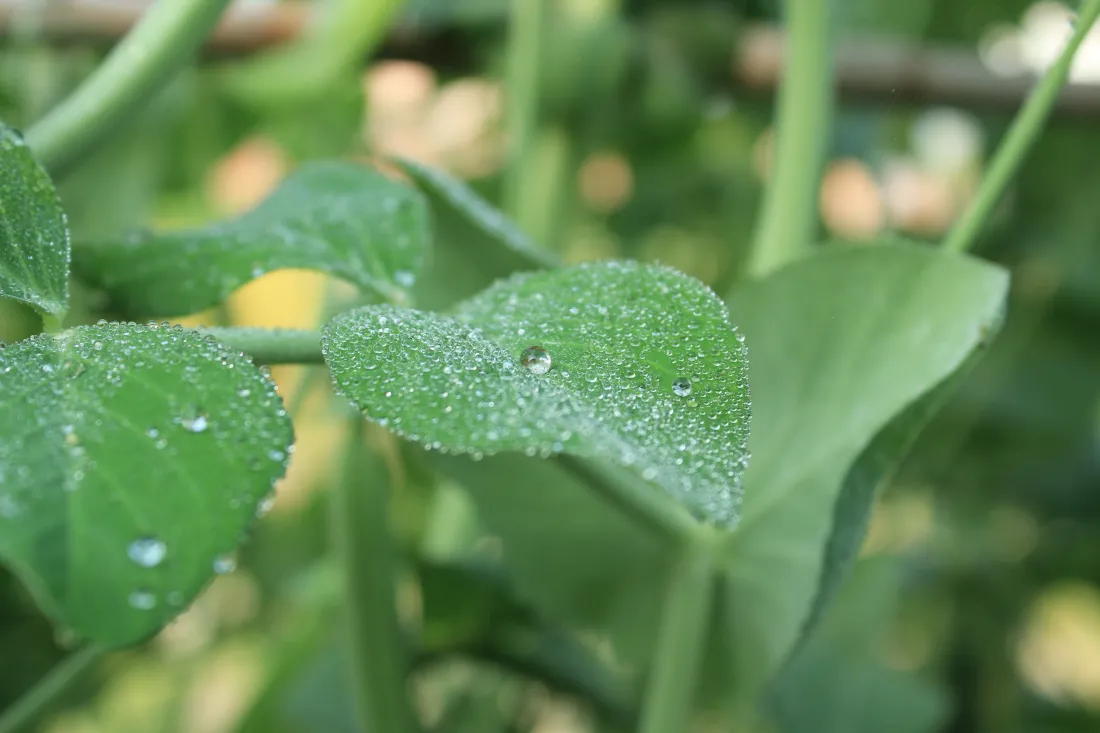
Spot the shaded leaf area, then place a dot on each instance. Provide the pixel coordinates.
(339, 218)
(475, 243)
(132, 459)
(34, 238)
(635, 364)
(838, 683)
(841, 343)
(571, 555)
(875, 468)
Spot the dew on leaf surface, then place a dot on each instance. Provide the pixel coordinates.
(148, 552)
(224, 564)
(536, 360)
(627, 330)
(142, 600)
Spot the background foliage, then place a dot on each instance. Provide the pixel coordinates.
(975, 607)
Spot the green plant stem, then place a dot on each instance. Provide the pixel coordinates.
(803, 124)
(348, 31)
(1025, 128)
(167, 35)
(29, 709)
(271, 345)
(51, 324)
(671, 687)
(648, 505)
(524, 52)
(364, 546)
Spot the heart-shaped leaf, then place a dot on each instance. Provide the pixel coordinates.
(635, 364)
(131, 459)
(34, 238)
(841, 343)
(339, 218)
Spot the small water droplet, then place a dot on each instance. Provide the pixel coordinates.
(225, 564)
(243, 392)
(98, 345)
(404, 278)
(143, 600)
(681, 386)
(276, 455)
(8, 507)
(196, 424)
(536, 360)
(265, 505)
(148, 552)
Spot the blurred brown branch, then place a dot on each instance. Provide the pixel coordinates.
(245, 28)
(871, 70)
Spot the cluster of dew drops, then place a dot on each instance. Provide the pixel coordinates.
(128, 356)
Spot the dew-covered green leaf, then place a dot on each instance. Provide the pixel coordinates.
(841, 343)
(34, 238)
(636, 364)
(339, 218)
(131, 459)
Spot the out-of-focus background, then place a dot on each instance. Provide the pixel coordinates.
(651, 140)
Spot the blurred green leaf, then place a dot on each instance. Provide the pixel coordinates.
(871, 471)
(573, 556)
(34, 239)
(343, 219)
(448, 193)
(131, 459)
(474, 243)
(631, 363)
(840, 343)
(836, 683)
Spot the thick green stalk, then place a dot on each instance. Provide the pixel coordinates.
(524, 53)
(39, 701)
(803, 124)
(271, 345)
(364, 546)
(1024, 130)
(673, 675)
(347, 32)
(165, 38)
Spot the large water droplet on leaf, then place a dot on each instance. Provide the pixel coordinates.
(536, 360)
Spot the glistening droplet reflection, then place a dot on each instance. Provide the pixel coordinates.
(148, 552)
(536, 360)
(142, 600)
(681, 386)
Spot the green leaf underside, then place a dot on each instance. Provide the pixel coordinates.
(841, 342)
(342, 219)
(34, 237)
(874, 468)
(618, 334)
(459, 197)
(131, 458)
